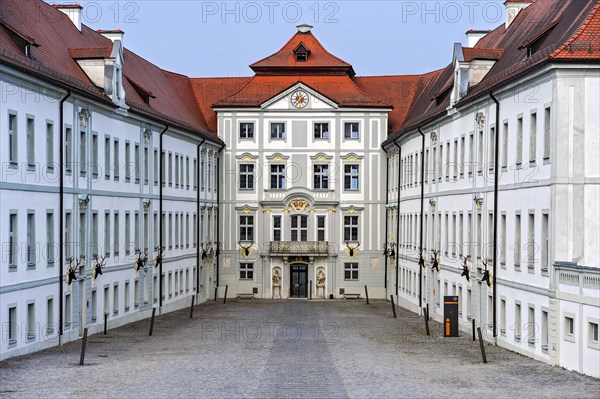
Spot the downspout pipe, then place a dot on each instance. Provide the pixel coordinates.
(198, 239)
(422, 215)
(61, 221)
(398, 210)
(160, 211)
(387, 187)
(495, 232)
(218, 179)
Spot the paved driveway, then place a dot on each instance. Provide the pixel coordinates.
(285, 349)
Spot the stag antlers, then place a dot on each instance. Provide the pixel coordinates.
(389, 249)
(246, 249)
(141, 260)
(466, 270)
(487, 274)
(351, 250)
(421, 258)
(70, 272)
(435, 260)
(159, 256)
(99, 262)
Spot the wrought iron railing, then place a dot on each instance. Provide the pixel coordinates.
(299, 248)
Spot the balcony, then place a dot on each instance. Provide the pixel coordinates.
(304, 248)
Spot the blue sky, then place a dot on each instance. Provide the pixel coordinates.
(217, 38)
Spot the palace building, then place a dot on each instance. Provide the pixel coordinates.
(126, 187)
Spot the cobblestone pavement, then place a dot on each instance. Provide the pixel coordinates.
(285, 349)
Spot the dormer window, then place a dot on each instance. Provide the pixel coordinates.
(301, 53)
(28, 50)
(301, 57)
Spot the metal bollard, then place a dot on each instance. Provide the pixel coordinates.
(393, 306)
(225, 297)
(367, 294)
(310, 291)
(216, 288)
(105, 322)
(83, 345)
(152, 321)
(481, 345)
(473, 328)
(426, 316)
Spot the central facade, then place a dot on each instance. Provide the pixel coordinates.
(303, 169)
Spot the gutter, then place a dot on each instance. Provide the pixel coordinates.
(160, 211)
(387, 186)
(218, 184)
(495, 232)
(61, 223)
(421, 221)
(198, 239)
(398, 208)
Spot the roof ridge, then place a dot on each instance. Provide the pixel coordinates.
(282, 47)
(579, 32)
(333, 55)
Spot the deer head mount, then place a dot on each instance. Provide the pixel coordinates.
(389, 249)
(466, 269)
(99, 263)
(141, 260)
(71, 276)
(435, 260)
(158, 258)
(204, 253)
(422, 259)
(487, 274)
(352, 251)
(246, 250)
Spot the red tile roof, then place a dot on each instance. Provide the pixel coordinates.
(585, 44)
(90, 53)
(477, 53)
(319, 60)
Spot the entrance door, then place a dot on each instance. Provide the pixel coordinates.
(298, 286)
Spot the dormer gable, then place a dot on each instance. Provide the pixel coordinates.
(301, 53)
(104, 67)
(22, 40)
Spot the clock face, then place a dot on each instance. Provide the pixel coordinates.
(299, 99)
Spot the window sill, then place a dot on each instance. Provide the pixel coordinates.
(115, 312)
(50, 263)
(570, 338)
(107, 177)
(546, 161)
(31, 266)
(116, 178)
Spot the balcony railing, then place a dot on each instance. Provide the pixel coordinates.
(314, 248)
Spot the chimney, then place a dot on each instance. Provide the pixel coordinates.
(114, 34)
(73, 11)
(473, 36)
(513, 8)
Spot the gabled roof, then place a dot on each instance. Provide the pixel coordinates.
(477, 53)
(340, 89)
(320, 61)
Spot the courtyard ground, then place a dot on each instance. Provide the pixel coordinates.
(285, 349)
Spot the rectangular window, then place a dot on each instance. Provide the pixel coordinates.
(441, 163)
(94, 165)
(545, 246)
(107, 233)
(278, 176)
(13, 138)
(321, 228)
(447, 165)
(460, 234)
(50, 316)
(547, 121)
(299, 228)
(176, 230)
(30, 322)
(246, 228)
(247, 130)
(127, 161)
(68, 150)
(136, 294)
(490, 240)
(569, 326)
(12, 326)
(351, 177)
(50, 145)
(462, 156)
(30, 143)
(107, 157)
(156, 165)
(517, 245)
(278, 130)
(351, 271)
(351, 130)
(246, 176)
(82, 153)
(170, 170)
(532, 136)
(351, 228)
(195, 233)
(12, 240)
(480, 152)
(82, 230)
(68, 311)
(95, 246)
(202, 174)
(503, 240)
(116, 299)
(503, 317)
(455, 153)
(50, 244)
(31, 255)
(517, 325)
(127, 233)
(246, 271)
(127, 297)
(321, 130)
(531, 242)
(187, 230)
(505, 145)
(471, 153)
(321, 177)
(593, 333)
(146, 165)
(519, 150)
(176, 171)
(68, 235)
(136, 231)
(276, 228)
(116, 233)
(531, 327)
(545, 331)
(492, 149)
(187, 173)
(116, 159)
